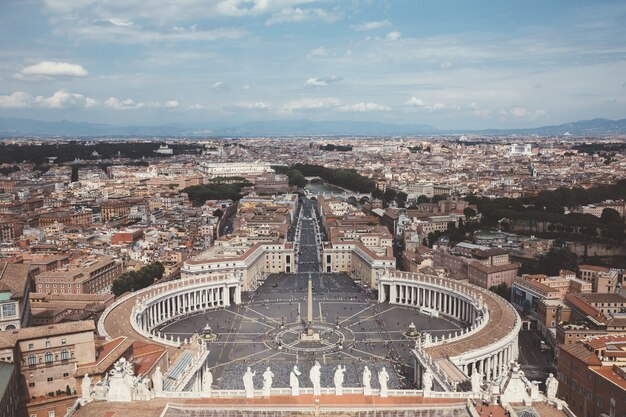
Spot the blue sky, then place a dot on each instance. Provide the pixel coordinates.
(451, 64)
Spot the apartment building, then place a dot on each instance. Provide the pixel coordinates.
(93, 274)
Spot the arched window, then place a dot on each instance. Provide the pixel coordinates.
(32, 361)
(48, 358)
(65, 355)
(10, 327)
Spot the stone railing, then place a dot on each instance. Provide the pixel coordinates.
(222, 393)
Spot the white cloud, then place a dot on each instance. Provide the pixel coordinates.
(322, 82)
(195, 107)
(215, 85)
(126, 104)
(255, 7)
(16, 100)
(317, 52)
(520, 112)
(47, 69)
(245, 87)
(363, 107)
(125, 32)
(160, 11)
(379, 24)
(255, 105)
(421, 104)
(297, 15)
(393, 36)
(59, 100)
(414, 101)
(120, 22)
(131, 104)
(310, 103)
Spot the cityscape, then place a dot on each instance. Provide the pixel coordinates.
(433, 226)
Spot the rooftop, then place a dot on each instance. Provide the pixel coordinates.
(10, 338)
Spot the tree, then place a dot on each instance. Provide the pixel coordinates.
(401, 198)
(557, 259)
(610, 216)
(422, 199)
(502, 290)
(296, 178)
(136, 280)
(218, 213)
(469, 212)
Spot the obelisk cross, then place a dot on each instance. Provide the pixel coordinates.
(310, 308)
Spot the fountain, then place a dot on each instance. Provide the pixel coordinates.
(207, 334)
(411, 333)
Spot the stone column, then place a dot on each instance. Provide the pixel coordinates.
(226, 296)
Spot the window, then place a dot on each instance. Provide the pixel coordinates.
(31, 384)
(9, 310)
(48, 358)
(63, 341)
(65, 355)
(31, 346)
(48, 344)
(32, 361)
(65, 374)
(51, 413)
(50, 379)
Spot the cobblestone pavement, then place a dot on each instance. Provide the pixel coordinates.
(375, 330)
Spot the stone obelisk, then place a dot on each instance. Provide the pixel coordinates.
(309, 324)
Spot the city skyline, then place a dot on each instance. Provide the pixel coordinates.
(449, 65)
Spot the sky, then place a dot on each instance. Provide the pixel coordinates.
(450, 64)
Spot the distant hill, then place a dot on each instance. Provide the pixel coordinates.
(307, 127)
(593, 127)
(14, 127)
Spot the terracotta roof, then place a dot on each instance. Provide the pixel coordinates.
(580, 304)
(495, 268)
(610, 373)
(594, 268)
(603, 298)
(582, 353)
(14, 279)
(10, 338)
(111, 352)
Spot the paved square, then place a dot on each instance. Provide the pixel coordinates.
(355, 330)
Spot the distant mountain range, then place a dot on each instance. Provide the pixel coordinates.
(14, 127)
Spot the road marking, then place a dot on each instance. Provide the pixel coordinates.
(377, 314)
(373, 305)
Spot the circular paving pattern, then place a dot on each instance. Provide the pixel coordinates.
(325, 338)
(266, 330)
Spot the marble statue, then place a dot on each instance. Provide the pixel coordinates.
(338, 379)
(157, 381)
(100, 389)
(85, 388)
(207, 381)
(383, 380)
(477, 381)
(367, 381)
(268, 380)
(427, 381)
(142, 391)
(552, 385)
(248, 382)
(121, 382)
(294, 382)
(314, 376)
